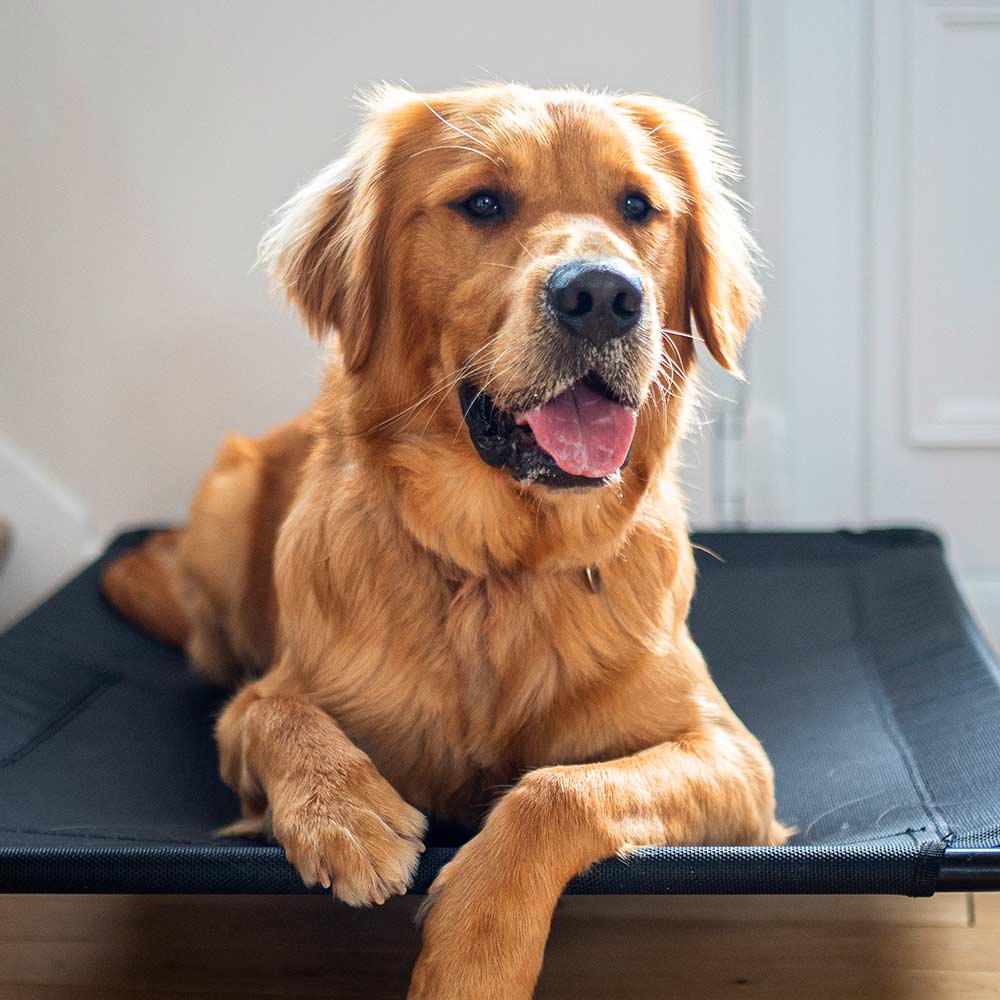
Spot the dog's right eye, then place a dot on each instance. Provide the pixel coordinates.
(483, 206)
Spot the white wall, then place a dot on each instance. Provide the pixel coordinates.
(151, 142)
(147, 144)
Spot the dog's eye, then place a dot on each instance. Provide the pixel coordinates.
(483, 206)
(636, 208)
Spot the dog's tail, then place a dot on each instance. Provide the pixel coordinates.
(143, 586)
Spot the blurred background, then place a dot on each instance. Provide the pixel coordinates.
(146, 144)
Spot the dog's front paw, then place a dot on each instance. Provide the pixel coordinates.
(350, 832)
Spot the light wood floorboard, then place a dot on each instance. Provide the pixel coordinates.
(640, 948)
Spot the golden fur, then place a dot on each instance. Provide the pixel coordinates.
(419, 623)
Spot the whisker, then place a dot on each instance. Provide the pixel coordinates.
(453, 126)
(465, 370)
(441, 393)
(525, 249)
(510, 267)
(678, 365)
(491, 378)
(708, 551)
(653, 131)
(440, 385)
(466, 149)
(463, 373)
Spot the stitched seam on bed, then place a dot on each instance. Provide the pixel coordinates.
(103, 682)
(906, 755)
(862, 840)
(888, 717)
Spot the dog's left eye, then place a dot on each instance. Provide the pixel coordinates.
(636, 208)
(483, 206)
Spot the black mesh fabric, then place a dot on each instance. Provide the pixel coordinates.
(850, 655)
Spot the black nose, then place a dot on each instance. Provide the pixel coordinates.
(598, 298)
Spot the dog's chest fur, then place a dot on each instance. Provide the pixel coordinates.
(521, 670)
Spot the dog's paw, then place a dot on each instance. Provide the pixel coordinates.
(351, 833)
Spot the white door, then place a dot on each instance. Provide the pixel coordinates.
(873, 161)
(935, 362)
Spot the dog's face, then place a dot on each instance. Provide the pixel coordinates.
(526, 264)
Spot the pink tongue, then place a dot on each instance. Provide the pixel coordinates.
(585, 433)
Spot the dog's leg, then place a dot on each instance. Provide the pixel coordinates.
(489, 910)
(340, 822)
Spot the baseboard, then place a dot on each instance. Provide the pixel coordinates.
(51, 533)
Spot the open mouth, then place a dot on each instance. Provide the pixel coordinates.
(581, 437)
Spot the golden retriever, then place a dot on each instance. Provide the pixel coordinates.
(466, 569)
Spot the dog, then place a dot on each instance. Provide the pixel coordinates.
(458, 585)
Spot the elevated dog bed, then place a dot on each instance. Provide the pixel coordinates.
(851, 656)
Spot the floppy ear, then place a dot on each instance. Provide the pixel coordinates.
(326, 247)
(723, 293)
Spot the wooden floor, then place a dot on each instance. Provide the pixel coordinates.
(779, 948)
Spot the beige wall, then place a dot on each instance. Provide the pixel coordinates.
(146, 145)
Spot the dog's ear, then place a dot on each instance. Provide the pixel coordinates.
(326, 248)
(723, 294)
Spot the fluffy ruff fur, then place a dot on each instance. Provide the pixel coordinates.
(409, 629)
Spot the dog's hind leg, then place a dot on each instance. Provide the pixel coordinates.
(209, 587)
(184, 586)
(144, 586)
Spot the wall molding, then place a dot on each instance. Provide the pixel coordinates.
(964, 411)
(727, 400)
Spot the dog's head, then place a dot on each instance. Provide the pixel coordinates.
(512, 274)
